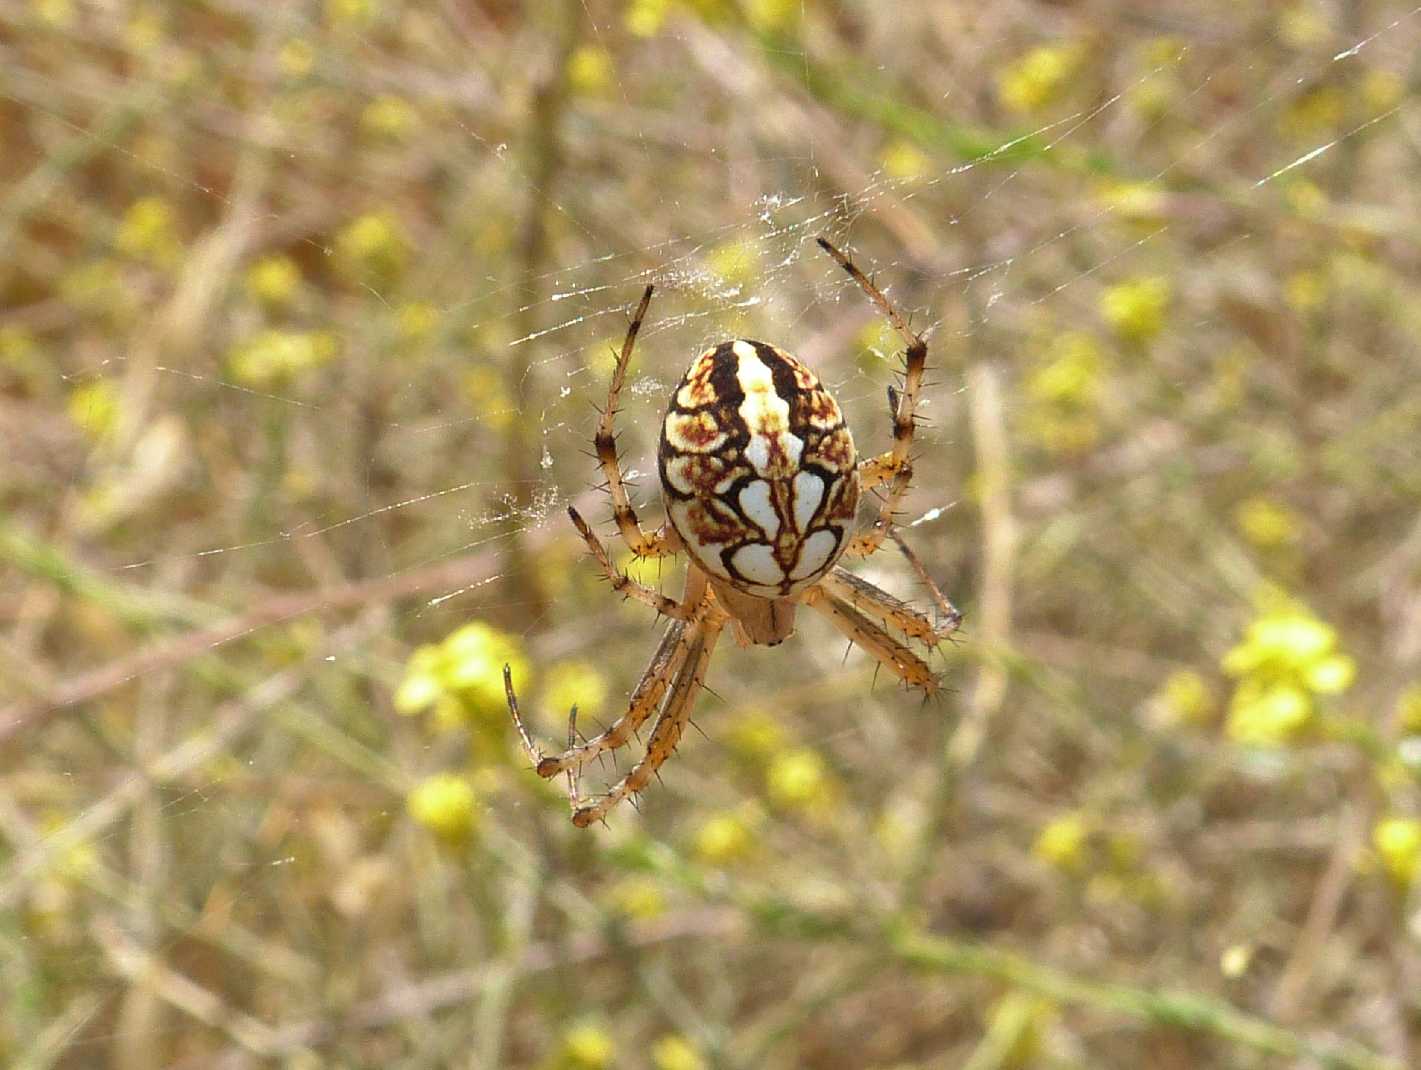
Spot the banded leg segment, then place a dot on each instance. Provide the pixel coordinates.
(891, 612)
(895, 464)
(896, 657)
(949, 617)
(656, 544)
(620, 581)
(666, 731)
(665, 662)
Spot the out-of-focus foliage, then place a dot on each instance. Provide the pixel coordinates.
(304, 311)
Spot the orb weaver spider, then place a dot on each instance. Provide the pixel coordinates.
(761, 485)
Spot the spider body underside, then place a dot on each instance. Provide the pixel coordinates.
(761, 483)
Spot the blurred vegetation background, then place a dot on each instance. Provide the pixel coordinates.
(303, 310)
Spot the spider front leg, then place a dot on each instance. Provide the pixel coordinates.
(666, 730)
(668, 607)
(670, 653)
(895, 465)
(658, 543)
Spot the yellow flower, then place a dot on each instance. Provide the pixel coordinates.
(675, 1052)
(574, 683)
(725, 837)
(1235, 960)
(1331, 675)
(798, 778)
(1302, 25)
(1071, 374)
(1062, 433)
(1305, 291)
(1186, 698)
(1037, 78)
(274, 280)
(1061, 843)
(475, 656)
(904, 160)
(1315, 113)
(373, 244)
(644, 18)
(1266, 523)
(462, 677)
(772, 16)
(590, 71)
(388, 117)
(445, 804)
(737, 262)
(1281, 642)
(1268, 716)
(296, 57)
(1382, 90)
(638, 897)
(356, 13)
(148, 231)
(756, 736)
(59, 13)
(272, 358)
(587, 1046)
(422, 683)
(1397, 841)
(94, 408)
(1305, 197)
(1135, 309)
(1132, 200)
(1409, 710)
(484, 388)
(416, 319)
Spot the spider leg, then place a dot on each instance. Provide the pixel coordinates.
(949, 617)
(659, 542)
(621, 581)
(670, 653)
(894, 465)
(858, 628)
(670, 722)
(876, 470)
(891, 612)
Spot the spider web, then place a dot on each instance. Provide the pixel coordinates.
(440, 542)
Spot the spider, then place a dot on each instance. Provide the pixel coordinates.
(761, 485)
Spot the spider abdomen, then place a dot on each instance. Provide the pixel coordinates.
(758, 469)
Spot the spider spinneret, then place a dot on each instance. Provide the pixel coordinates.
(761, 484)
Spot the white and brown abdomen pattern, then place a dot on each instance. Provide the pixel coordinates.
(758, 469)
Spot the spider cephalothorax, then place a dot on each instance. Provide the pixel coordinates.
(761, 483)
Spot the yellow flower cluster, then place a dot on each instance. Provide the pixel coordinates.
(373, 247)
(1037, 78)
(1287, 660)
(1267, 523)
(446, 805)
(1397, 842)
(148, 231)
(388, 118)
(728, 836)
(1064, 394)
(461, 678)
(273, 358)
(94, 408)
(590, 71)
(1135, 309)
(675, 1052)
(274, 280)
(586, 1045)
